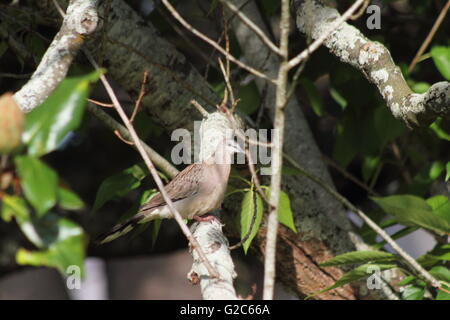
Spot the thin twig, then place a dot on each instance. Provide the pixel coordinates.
(227, 71)
(361, 10)
(227, 81)
(177, 16)
(118, 135)
(255, 176)
(194, 243)
(398, 155)
(58, 8)
(249, 23)
(141, 95)
(318, 42)
(105, 28)
(222, 35)
(101, 104)
(15, 76)
(429, 37)
(200, 109)
(349, 176)
(277, 152)
(295, 80)
(188, 41)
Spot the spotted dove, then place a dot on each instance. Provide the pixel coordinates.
(195, 191)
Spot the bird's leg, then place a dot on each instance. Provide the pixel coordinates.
(205, 217)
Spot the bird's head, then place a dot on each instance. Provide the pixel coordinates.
(232, 146)
(225, 151)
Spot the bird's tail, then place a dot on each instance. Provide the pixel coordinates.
(122, 228)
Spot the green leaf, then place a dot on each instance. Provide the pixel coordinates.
(345, 149)
(247, 211)
(406, 280)
(119, 185)
(436, 169)
(66, 249)
(285, 215)
(37, 230)
(369, 166)
(250, 101)
(290, 171)
(413, 293)
(155, 230)
(358, 257)
(398, 234)
(440, 206)
(447, 168)
(352, 136)
(13, 206)
(39, 183)
(412, 210)
(146, 126)
(47, 125)
(360, 272)
(439, 253)
(387, 128)
(441, 133)
(340, 100)
(441, 58)
(441, 273)
(442, 295)
(69, 200)
(270, 7)
(420, 87)
(35, 44)
(314, 97)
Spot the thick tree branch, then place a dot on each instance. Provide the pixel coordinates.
(374, 60)
(81, 20)
(210, 236)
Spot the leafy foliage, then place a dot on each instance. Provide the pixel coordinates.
(441, 58)
(412, 210)
(46, 126)
(61, 242)
(39, 183)
(358, 273)
(358, 257)
(66, 249)
(251, 205)
(119, 185)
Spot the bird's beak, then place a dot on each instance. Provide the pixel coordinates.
(236, 147)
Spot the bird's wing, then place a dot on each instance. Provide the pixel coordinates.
(183, 185)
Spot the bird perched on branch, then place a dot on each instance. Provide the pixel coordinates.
(195, 191)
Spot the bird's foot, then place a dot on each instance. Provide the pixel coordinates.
(204, 218)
